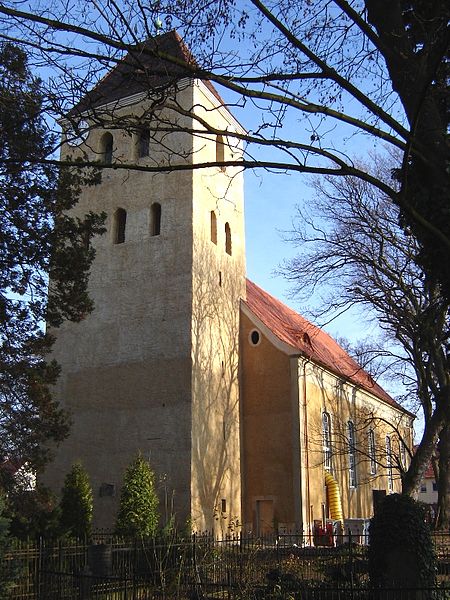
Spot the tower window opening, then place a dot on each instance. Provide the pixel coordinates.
(213, 227)
(144, 143)
(155, 219)
(220, 151)
(120, 222)
(106, 148)
(227, 239)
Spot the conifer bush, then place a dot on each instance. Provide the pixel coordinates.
(6, 571)
(401, 550)
(138, 510)
(77, 502)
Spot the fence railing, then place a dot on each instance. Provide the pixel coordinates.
(203, 566)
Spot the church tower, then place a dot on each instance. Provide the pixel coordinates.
(154, 368)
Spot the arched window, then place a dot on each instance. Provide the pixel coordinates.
(120, 222)
(144, 142)
(326, 440)
(352, 454)
(227, 239)
(220, 151)
(389, 464)
(372, 451)
(213, 227)
(155, 219)
(402, 453)
(106, 148)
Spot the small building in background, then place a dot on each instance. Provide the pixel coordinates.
(428, 491)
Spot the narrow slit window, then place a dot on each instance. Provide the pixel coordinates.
(155, 219)
(220, 151)
(120, 222)
(106, 148)
(144, 143)
(213, 227)
(227, 239)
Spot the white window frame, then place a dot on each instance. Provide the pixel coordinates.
(326, 441)
(402, 453)
(390, 478)
(352, 476)
(372, 451)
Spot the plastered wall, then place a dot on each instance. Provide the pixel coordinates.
(154, 367)
(284, 397)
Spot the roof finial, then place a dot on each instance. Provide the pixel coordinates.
(158, 24)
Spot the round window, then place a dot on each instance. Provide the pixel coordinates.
(255, 337)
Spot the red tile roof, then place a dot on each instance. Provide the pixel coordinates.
(310, 341)
(429, 473)
(145, 68)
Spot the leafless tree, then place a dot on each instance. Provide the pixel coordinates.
(352, 246)
(314, 74)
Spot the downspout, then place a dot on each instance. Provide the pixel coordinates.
(297, 458)
(306, 448)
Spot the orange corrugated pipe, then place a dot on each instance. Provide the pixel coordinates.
(334, 497)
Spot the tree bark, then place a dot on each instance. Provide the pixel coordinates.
(443, 509)
(421, 459)
(415, 72)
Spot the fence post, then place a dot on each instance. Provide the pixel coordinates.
(194, 566)
(350, 543)
(40, 559)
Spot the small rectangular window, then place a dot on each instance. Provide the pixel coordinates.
(120, 223)
(435, 487)
(423, 489)
(227, 238)
(107, 489)
(213, 225)
(144, 143)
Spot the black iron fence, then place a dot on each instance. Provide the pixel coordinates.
(287, 567)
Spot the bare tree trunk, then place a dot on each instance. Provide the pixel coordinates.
(443, 481)
(422, 458)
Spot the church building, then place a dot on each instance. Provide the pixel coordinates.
(251, 417)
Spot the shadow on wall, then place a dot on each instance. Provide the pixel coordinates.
(218, 283)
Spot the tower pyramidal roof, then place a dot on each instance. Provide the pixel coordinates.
(150, 66)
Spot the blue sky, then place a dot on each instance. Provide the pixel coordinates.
(270, 205)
